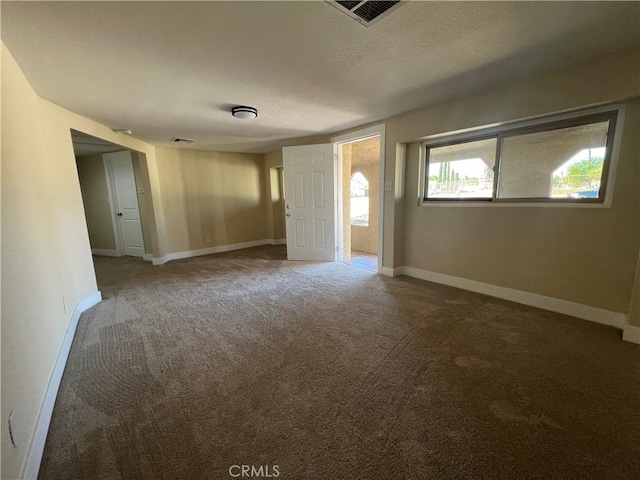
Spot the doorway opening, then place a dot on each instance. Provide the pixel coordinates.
(114, 195)
(359, 193)
(317, 189)
(278, 229)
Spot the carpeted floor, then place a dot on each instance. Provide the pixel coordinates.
(331, 372)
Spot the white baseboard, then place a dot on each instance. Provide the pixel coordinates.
(631, 334)
(390, 272)
(105, 252)
(209, 251)
(114, 253)
(278, 241)
(36, 450)
(585, 312)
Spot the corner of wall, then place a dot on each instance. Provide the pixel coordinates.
(631, 333)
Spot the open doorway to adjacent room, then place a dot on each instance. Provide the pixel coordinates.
(276, 179)
(114, 195)
(360, 199)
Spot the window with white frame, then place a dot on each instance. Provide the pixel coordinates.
(560, 161)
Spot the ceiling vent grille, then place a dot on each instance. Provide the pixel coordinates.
(366, 13)
(182, 140)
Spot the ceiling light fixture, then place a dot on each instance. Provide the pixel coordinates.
(245, 113)
(126, 131)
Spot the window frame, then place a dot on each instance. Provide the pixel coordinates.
(499, 133)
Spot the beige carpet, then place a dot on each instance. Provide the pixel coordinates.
(332, 372)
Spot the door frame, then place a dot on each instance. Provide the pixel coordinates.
(373, 131)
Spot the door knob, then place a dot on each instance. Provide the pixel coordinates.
(288, 214)
(119, 214)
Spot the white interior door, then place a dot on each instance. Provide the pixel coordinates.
(309, 202)
(126, 203)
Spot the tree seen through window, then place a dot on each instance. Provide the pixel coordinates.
(359, 200)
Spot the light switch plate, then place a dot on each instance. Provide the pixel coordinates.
(388, 186)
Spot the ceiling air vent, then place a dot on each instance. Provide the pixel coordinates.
(182, 140)
(366, 13)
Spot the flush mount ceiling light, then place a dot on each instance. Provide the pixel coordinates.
(182, 140)
(244, 113)
(126, 131)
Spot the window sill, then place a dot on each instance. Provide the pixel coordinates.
(462, 203)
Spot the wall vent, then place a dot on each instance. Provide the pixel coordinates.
(182, 140)
(367, 12)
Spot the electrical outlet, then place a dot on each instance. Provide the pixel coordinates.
(12, 432)
(64, 304)
(208, 238)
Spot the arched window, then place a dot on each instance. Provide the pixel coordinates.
(359, 200)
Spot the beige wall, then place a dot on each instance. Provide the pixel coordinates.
(605, 79)
(95, 198)
(365, 158)
(45, 247)
(586, 256)
(222, 195)
(513, 246)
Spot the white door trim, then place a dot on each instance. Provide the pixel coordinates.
(375, 130)
(337, 185)
(111, 188)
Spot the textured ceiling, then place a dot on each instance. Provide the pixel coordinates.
(167, 69)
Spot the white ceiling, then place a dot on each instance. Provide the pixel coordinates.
(167, 69)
